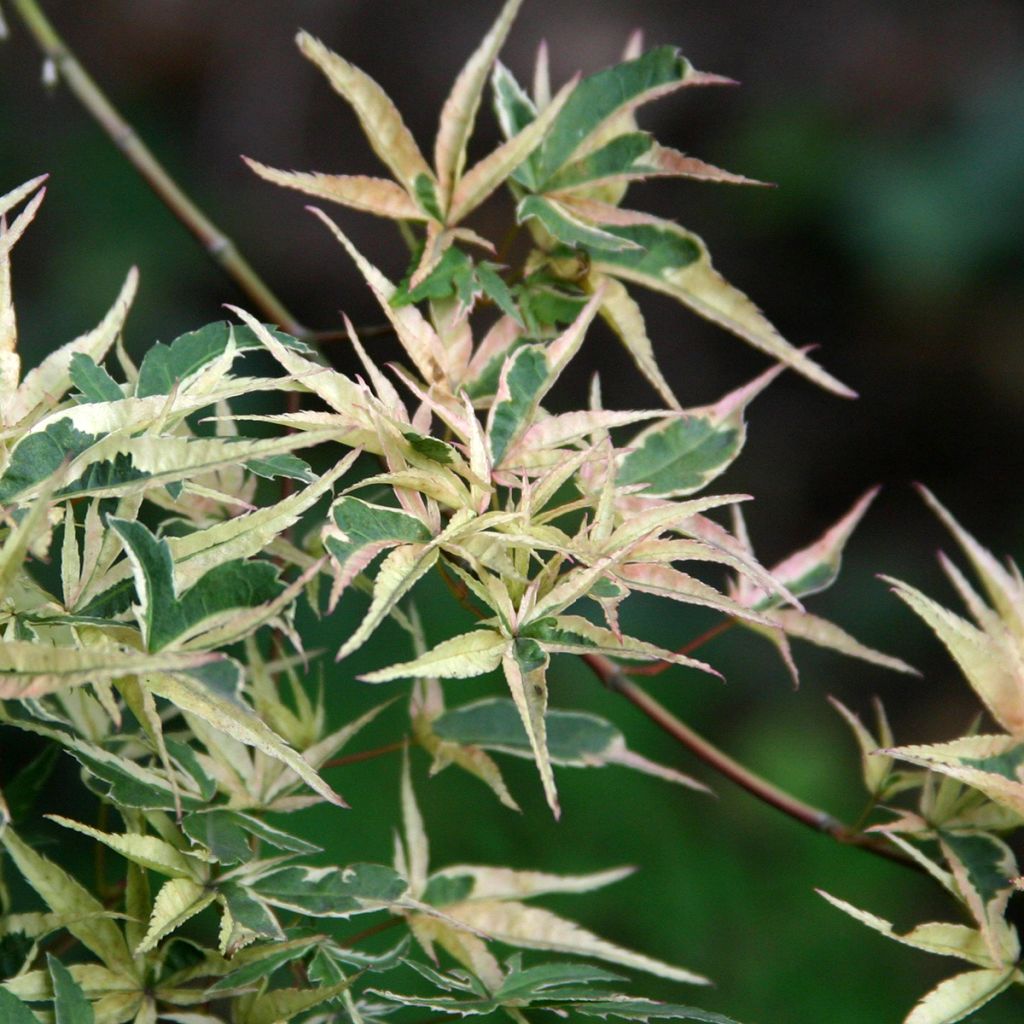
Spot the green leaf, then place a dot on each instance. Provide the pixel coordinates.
(69, 1003)
(166, 615)
(562, 224)
(249, 912)
(226, 835)
(272, 958)
(14, 1011)
(363, 531)
(515, 111)
(618, 156)
(86, 917)
(575, 738)
(332, 892)
(522, 380)
(166, 366)
(601, 96)
(95, 384)
(274, 466)
(40, 455)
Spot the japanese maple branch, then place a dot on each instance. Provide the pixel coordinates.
(218, 246)
(821, 821)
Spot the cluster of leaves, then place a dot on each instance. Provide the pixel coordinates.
(969, 792)
(152, 588)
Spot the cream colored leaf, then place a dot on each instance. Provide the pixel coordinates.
(460, 657)
(995, 674)
(31, 669)
(385, 130)
(397, 575)
(506, 884)
(937, 937)
(958, 997)
(83, 915)
(418, 338)
(533, 928)
(147, 851)
(417, 847)
(624, 316)
(378, 196)
(177, 901)
(487, 174)
(991, 764)
(47, 383)
(822, 633)
(1003, 588)
(460, 108)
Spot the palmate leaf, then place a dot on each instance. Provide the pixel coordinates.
(85, 917)
(990, 661)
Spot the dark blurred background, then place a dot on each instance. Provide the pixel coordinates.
(895, 241)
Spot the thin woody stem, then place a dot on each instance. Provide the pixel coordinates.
(657, 667)
(821, 821)
(365, 755)
(219, 246)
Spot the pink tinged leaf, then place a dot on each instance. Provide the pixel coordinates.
(542, 76)
(664, 581)
(390, 139)
(436, 242)
(486, 175)
(822, 633)
(460, 109)
(378, 196)
(418, 338)
(634, 47)
(568, 343)
(594, 212)
(816, 566)
(495, 344)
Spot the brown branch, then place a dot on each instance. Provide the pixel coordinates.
(365, 755)
(657, 667)
(821, 821)
(218, 246)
